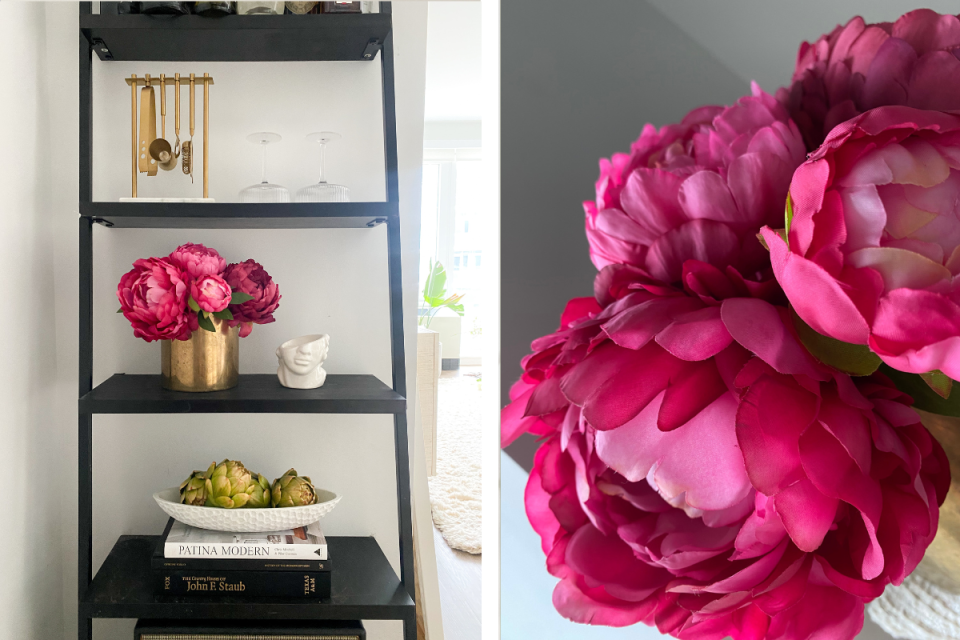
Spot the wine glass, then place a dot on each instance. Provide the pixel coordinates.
(323, 191)
(265, 191)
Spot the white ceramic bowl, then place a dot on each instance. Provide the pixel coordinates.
(245, 520)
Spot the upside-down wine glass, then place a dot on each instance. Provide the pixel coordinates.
(323, 191)
(265, 191)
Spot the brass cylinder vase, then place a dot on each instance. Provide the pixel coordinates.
(208, 361)
(941, 564)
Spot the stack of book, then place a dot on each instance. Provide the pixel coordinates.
(294, 563)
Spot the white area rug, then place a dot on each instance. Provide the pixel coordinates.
(455, 494)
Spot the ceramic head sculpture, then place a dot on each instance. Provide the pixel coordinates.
(300, 360)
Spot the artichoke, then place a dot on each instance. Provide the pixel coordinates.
(291, 490)
(231, 486)
(193, 490)
(260, 492)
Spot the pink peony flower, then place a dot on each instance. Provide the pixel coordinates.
(197, 260)
(874, 245)
(700, 471)
(914, 61)
(212, 293)
(153, 297)
(251, 278)
(698, 190)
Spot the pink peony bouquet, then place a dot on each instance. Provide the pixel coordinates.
(169, 298)
(729, 445)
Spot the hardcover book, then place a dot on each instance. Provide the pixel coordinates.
(249, 630)
(260, 584)
(303, 543)
(242, 563)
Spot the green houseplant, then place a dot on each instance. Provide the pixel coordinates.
(435, 295)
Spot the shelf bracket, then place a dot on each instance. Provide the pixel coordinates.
(103, 51)
(376, 221)
(102, 221)
(371, 51)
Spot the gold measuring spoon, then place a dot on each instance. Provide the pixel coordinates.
(148, 129)
(188, 145)
(160, 149)
(176, 111)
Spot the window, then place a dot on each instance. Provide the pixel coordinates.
(451, 233)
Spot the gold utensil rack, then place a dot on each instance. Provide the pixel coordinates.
(179, 80)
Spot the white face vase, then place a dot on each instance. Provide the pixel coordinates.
(300, 361)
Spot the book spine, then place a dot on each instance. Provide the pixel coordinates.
(245, 551)
(288, 584)
(159, 563)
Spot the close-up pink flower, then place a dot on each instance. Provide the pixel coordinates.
(197, 260)
(251, 278)
(701, 472)
(153, 297)
(699, 190)
(211, 292)
(873, 250)
(858, 66)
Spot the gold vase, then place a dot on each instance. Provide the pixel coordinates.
(208, 361)
(942, 560)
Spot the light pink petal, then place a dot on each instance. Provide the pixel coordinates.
(650, 199)
(761, 532)
(807, 191)
(900, 268)
(815, 295)
(701, 460)
(696, 335)
(705, 195)
(863, 217)
(759, 328)
(573, 604)
(903, 217)
(759, 182)
(704, 240)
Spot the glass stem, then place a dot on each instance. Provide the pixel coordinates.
(263, 163)
(323, 175)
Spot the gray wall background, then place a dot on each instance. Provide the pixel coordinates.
(578, 81)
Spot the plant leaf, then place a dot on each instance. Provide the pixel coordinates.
(205, 322)
(120, 310)
(853, 359)
(435, 286)
(239, 297)
(193, 304)
(223, 315)
(939, 382)
(788, 214)
(923, 396)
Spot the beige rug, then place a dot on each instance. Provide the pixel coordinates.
(455, 493)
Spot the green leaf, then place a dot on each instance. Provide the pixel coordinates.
(788, 214)
(223, 315)
(435, 286)
(239, 297)
(939, 382)
(923, 396)
(120, 310)
(193, 304)
(205, 322)
(853, 359)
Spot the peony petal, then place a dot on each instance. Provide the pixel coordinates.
(933, 84)
(889, 74)
(903, 218)
(759, 328)
(609, 561)
(900, 268)
(637, 326)
(696, 335)
(815, 295)
(863, 217)
(692, 390)
(704, 195)
(704, 240)
(806, 513)
(650, 199)
(824, 613)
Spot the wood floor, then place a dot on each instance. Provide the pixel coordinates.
(459, 575)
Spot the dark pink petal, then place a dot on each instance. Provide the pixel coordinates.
(576, 605)
(759, 328)
(806, 513)
(824, 613)
(889, 74)
(815, 294)
(546, 398)
(761, 532)
(637, 326)
(693, 389)
(607, 560)
(926, 30)
(705, 240)
(696, 335)
(759, 182)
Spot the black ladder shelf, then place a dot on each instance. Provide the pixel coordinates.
(365, 586)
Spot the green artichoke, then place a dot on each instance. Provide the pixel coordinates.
(231, 486)
(260, 492)
(291, 490)
(193, 490)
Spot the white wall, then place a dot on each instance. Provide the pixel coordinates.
(31, 454)
(334, 281)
